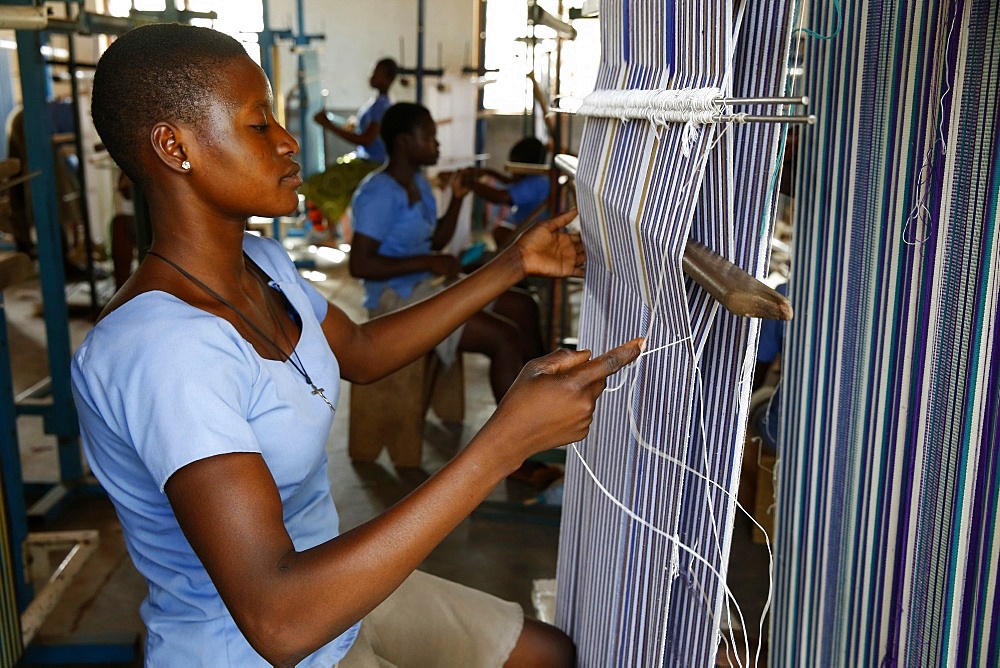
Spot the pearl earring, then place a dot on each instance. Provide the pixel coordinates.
(185, 165)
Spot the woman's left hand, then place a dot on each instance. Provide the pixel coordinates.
(548, 250)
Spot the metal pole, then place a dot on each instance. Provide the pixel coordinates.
(421, 7)
(81, 175)
(803, 100)
(60, 420)
(267, 64)
(305, 151)
(748, 118)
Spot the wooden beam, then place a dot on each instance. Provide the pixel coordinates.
(739, 292)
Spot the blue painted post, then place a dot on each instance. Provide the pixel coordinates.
(266, 42)
(60, 419)
(302, 40)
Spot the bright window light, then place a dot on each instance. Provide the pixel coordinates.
(508, 51)
(242, 19)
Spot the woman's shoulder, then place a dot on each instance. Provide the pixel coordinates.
(378, 186)
(152, 316)
(161, 332)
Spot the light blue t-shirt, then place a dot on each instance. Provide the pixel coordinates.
(526, 194)
(159, 384)
(372, 112)
(382, 211)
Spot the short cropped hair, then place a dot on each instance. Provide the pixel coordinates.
(155, 73)
(529, 150)
(389, 66)
(401, 118)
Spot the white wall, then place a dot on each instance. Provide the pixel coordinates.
(357, 34)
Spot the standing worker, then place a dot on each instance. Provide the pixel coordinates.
(331, 190)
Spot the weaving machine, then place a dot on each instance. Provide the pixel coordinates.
(887, 508)
(650, 494)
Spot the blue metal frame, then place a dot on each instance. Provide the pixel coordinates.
(267, 39)
(59, 417)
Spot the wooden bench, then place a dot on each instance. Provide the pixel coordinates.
(389, 413)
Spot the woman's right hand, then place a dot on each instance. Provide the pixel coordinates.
(553, 399)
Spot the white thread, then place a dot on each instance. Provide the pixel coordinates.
(643, 354)
(921, 213)
(676, 106)
(645, 444)
(658, 106)
(672, 538)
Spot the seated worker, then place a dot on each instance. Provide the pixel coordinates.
(208, 386)
(525, 194)
(332, 189)
(66, 183)
(768, 372)
(397, 236)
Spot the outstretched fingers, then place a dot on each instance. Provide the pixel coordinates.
(552, 402)
(547, 249)
(594, 373)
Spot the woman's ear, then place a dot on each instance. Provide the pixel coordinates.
(168, 146)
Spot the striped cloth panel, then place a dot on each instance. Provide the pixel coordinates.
(648, 509)
(888, 483)
(10, 617)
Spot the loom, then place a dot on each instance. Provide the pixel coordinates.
(887, 506)
(667, 202)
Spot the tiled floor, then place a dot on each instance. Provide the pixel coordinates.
(496, 550)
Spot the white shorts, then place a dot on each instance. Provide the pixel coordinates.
(429, 621)
(390, 301)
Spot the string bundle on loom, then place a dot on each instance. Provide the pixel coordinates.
(887, 550)
(650, 494)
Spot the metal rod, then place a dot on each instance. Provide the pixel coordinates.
(747, 118)
(421, 35)
(566, 163)
(802, 100)
(731, 118)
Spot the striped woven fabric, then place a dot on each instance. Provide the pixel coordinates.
(648, 510)
(10, 617)
(888, 481)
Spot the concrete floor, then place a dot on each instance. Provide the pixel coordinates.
(495, 550)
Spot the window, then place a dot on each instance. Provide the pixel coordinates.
(242, 19)
(508, 50)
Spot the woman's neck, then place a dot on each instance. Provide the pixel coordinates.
(402, 171)
(202, 243)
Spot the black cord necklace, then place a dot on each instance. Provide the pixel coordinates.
(292, 358)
